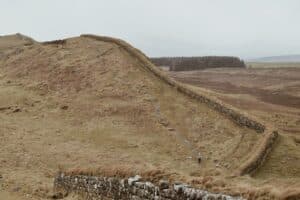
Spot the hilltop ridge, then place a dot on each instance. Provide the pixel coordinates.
(14, 40)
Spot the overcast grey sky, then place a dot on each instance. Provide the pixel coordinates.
(245, 28)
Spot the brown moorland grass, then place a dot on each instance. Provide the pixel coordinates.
(91, 104)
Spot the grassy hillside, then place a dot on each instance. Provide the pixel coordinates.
(87, 104)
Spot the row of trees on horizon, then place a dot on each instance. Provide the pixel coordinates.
(197, 63)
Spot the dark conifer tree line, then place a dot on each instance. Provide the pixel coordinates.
(196, 63)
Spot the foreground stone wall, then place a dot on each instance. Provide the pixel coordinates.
(90, 187)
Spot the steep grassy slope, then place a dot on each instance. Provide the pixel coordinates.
(89, 104)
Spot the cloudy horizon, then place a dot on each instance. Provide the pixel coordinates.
(246, 29)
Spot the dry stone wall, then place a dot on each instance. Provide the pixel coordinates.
(259, 156)
(92, 188)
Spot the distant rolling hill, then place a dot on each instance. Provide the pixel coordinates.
(285, 58)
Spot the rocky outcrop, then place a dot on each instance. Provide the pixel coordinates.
(90, 187)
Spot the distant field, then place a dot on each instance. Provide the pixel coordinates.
(272, 64)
